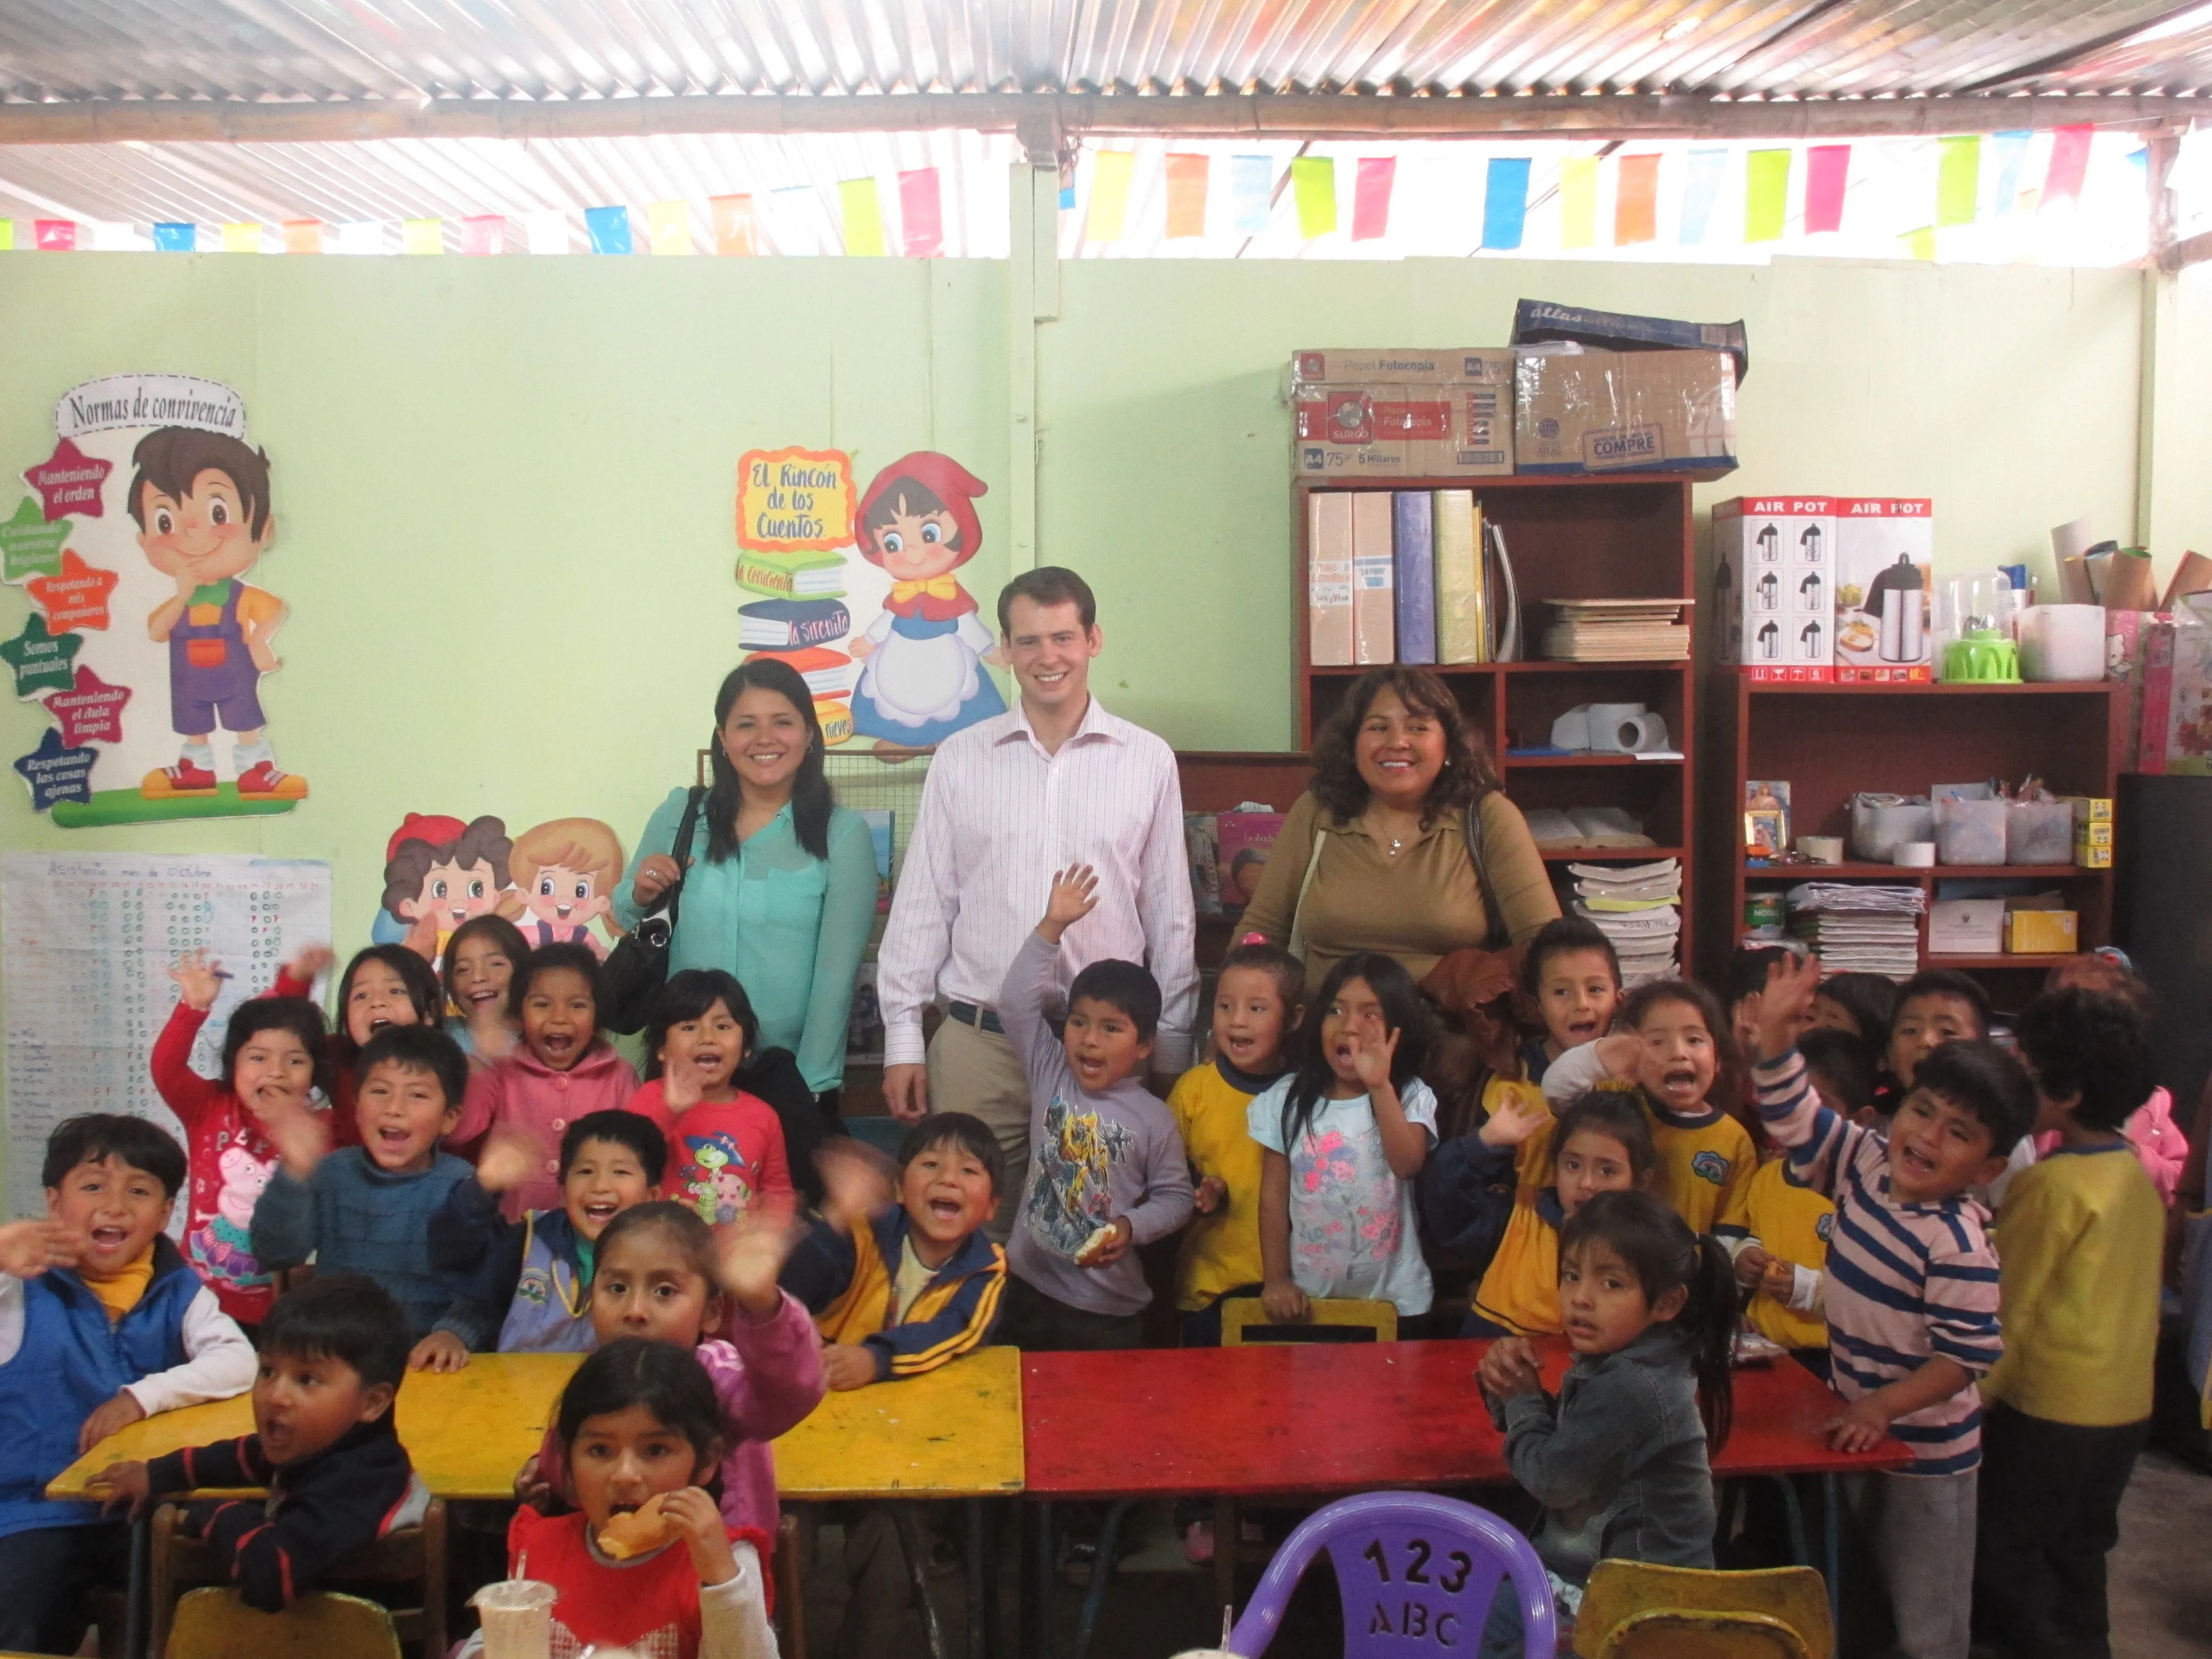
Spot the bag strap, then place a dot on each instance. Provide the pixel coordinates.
(681, 851)
(1297, 945)
(1499, 936)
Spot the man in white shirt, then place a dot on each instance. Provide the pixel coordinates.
(1055, 781)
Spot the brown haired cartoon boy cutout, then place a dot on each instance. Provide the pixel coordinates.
(201, 500)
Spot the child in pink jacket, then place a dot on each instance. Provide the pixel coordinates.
(562, 1070)
(2159, 1143)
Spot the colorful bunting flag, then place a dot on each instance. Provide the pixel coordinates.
(361, 236)
(422, 236)
(1636, 201)
(2011, 151)
(546, 232)
(798, 220)
(1700, 191)
(7, 235)
(860, 215)
(1919, 243)
(737, 232)
(921, 213)
(1828, 172)
(1504, 201)
(668, 227)
(173, 236)
(1187, 182)
(242, 237)
(1251, 193)
(1765, 194)
(608, 228)
(305, 235)
(56, 236)
(1578, 201)
(1370, 197)
(2069, 164)
(1111, 171)
(481, 234)
(1313, 181)
(1959, 180)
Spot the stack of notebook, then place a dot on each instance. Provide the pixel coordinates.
(1859, 929)
(1618, 630)
(1640, 907)
(800, 623)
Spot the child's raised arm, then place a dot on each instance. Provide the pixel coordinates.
(1405, 1143)
(284, 1229)
(777, 1376)
(1074, 896)
(1030, 976)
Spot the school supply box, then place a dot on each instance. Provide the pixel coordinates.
(1401, 412)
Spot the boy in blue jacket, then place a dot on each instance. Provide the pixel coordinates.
(102, 1322)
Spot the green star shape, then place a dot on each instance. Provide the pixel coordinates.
(41, 660)
(29, 546)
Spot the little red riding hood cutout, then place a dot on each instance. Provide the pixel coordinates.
(922, 678)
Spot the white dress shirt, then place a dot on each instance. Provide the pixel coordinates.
(998, 815)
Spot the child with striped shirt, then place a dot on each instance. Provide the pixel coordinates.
(1911, 1292)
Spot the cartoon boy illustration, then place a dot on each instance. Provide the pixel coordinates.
(201, 500)
(922, 682)
(438, 873)
(565, 872)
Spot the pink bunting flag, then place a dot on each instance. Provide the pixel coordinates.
(1828, 169)
(921, 213)
(1370, 197)
(2069, 164)
(484, 233)
(57, 235)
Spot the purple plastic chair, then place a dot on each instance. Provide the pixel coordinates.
(1415, 1572)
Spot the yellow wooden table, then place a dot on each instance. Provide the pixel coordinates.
(953, 1433)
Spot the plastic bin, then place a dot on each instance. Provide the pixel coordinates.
(1971, 831)
(1878, 823)
(2039, 832)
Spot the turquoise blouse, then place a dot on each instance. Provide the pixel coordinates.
(791, 926)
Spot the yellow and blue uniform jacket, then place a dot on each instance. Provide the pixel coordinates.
(844, 1279)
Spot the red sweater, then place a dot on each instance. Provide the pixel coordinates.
(650, 1604)
(721, 1154)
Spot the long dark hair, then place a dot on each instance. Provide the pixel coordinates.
(811, 799)
(503, 934)
(1403, 1011)
(295, 1014)
(1663, 1253)
(1467, 774)
(689, 993)
(424, 994)
(665, 1377)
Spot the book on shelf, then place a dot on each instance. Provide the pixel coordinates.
(1585, 826)
(1414, 541)
(1328, 578)
(1618, 630)
(1200, 848)
(1374, 601)
(1505, 595)
(1457, 519)
(1243, 839)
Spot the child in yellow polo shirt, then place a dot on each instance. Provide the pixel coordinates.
(1258, 1002)
(1783, 1261)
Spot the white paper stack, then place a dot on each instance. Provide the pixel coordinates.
(1640, 907)
(1859, 929)
(1618, 630)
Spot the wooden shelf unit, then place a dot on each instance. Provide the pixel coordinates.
(1622, 536)
(1832, 741)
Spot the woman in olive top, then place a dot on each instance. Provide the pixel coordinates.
(780, 883)
(1397, 769)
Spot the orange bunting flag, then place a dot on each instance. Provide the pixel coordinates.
(1187, 180)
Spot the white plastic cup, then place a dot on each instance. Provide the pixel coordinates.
(2062, 642)
(517, 1615)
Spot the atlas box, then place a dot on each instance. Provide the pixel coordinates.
(1411, 412)
(1774, 587)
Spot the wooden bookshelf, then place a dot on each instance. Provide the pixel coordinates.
(1832, 741)
(1624, 537)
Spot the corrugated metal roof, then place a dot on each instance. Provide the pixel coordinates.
(535, 49)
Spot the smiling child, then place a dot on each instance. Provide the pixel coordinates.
(725, 1146)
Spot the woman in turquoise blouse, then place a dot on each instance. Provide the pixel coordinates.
(779, 887)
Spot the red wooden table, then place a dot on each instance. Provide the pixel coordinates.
(1316, 1419)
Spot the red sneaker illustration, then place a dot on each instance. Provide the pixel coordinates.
(168, 782)
(263, 781)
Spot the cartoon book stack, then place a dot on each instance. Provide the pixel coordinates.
(799, 622)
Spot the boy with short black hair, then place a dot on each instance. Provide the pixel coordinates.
(1935, 1006)
(1911, 1292)
(2080, 1237)
(900, 1280)
(102, 1322)
(1106, 1164)
(538, 1271)
(323, 1444)
(367, 1209)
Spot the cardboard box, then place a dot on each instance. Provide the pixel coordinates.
(1580, 411)
(1967, 928)
(1885, 571)
(1773, 587)
(2042, 932)
(1402, 413)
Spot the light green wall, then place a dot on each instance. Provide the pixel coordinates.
(505, 485)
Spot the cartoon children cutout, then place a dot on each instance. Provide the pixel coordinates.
(201, 500)
(439, 873)
(565, 871)
(922, 682)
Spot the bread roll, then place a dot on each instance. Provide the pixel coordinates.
(635, 1532)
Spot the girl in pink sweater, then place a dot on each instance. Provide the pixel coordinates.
(562, 1070)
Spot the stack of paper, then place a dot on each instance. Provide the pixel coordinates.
(1640, 907)
(1618, 630)
(1860, 929)
(1585, 826)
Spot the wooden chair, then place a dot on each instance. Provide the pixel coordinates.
(789, 1577)
(213, 1624)
(1632, 1610)
(408, 1555)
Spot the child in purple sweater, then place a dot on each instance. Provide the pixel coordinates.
(1107, 1170)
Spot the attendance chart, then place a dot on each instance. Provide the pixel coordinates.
(86, 943)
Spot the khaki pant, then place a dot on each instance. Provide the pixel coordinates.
(978, 1072)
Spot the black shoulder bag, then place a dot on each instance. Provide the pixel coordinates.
(637, 967)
